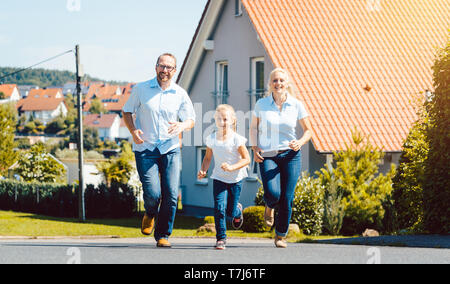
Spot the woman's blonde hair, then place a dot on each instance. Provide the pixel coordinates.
(230, 110)
(289, 87)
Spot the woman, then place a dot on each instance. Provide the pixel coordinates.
(277, 150)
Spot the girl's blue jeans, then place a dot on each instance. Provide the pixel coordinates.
(279, 175)
(226, 199)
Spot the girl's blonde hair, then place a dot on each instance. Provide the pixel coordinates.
(289, 87)
(230, 110)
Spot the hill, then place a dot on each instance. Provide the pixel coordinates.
(44, 78)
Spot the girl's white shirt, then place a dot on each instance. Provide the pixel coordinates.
(227, 152)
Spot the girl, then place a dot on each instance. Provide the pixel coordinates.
(231, 159)
(277, 149)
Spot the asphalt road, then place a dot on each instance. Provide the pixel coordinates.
(201, 251)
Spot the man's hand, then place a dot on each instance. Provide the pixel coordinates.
(137, 136)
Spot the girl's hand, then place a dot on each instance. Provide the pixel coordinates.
(226, 167)
(295, 145)
(201, 174)
(257, 154)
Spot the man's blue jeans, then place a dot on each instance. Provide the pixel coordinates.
(160, 178)
(226, 199)
(279, 175)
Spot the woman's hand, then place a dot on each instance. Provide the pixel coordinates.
(295, 145)
(257, 154)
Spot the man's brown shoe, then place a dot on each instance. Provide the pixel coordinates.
(148, 224)
(163, 243)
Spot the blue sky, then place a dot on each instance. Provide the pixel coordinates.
(119, 39)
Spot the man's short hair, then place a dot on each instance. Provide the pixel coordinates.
(167, 54)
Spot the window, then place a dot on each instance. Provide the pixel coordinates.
(201, 152)
(256, 80)
(237, 8)
(221, 93)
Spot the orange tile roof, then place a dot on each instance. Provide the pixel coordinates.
(333, 49)
(107, 94)
(7, 89)
(99, 120)
(41, 100)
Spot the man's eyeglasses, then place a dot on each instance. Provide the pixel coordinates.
(162, 67)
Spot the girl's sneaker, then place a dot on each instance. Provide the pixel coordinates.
(237, 222)
(220, 244)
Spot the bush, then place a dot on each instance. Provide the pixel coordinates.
(307, 209)
(117, 201)
(254, 220)
(333, 211)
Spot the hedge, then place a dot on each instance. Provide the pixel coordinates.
(118, 201)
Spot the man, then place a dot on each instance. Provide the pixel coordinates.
(159, 104)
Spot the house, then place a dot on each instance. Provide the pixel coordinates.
(107, 125)
(113, 97)
(9, 93)
(43, 104)
(353, 64)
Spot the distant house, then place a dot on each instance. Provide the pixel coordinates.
(112, 97)
(70, 88)
(43, 104)
(10, 93)
(353, 64)
(107, 125)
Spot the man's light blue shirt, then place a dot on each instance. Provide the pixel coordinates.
(154, 109)
(277, 128)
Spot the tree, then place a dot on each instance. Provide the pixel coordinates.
(408, 182)
(97, 107)
(436, 191)
(118, 170)
(364, 190)
(8, 121)
(36, 165)
(2, 96)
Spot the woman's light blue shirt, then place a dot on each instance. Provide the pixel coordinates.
(154, 109)
(277, 128)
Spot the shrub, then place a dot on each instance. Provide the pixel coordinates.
(307, 208)
(117, 201)
(254, 220)
(333, 211)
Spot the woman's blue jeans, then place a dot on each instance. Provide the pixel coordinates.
(160, 178)
(226, 199)
(279, 175)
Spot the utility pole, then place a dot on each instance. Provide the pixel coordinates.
(80, 146)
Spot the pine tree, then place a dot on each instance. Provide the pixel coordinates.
(364, 189)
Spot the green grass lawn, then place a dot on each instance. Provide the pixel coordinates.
(32, 225)
(26, 224)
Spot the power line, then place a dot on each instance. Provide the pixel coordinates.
(46, 60)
